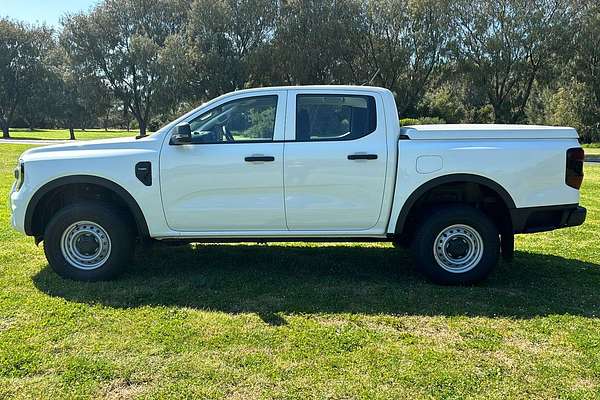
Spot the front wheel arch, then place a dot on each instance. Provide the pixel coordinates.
(35, 220)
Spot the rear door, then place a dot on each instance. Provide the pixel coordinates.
(335, 160)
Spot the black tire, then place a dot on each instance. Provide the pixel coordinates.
(440, 221)
(401, 242)
(115, 224)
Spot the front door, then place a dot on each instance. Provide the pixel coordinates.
(230, 178)
(335, 164)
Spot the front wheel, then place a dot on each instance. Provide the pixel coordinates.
(456, 245)
(88, 241)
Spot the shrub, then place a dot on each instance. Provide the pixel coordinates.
(445, 102)
(571, 104)
(421, 121)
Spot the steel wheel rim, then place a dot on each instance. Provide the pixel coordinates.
(458, 248)
(85, 245)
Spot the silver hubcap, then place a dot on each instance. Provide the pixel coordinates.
(458, 248)
(85, 245)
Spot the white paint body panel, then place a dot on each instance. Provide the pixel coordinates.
(210, 186)
(112, 159)
(479, 131)
(311, 190)
(532, 171)
(323, 189)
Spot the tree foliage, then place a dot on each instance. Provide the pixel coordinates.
(504, 61)
(401, 44)
(21, 67)
(505, 46)
(586, 69)
(227, 41)
(313, 42)
(126, 43)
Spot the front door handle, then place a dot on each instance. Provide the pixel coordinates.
(259, 158)
(362, 157)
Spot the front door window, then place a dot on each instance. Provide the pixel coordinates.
(244, 120)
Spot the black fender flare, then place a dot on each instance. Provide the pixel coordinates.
(445, 179)
(127, 198)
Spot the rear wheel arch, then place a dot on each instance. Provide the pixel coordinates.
(418, 199)
(35, 218)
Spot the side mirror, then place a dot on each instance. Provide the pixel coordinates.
(182, 135)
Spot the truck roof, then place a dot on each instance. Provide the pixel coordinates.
(316, 87)
(487, 131)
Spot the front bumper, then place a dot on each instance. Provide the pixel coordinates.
(18, 206)
(541, 219)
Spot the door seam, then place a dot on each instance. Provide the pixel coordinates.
(285, 125)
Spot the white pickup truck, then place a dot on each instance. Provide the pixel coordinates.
(326, 163)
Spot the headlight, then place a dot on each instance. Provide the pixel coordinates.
(19, 175)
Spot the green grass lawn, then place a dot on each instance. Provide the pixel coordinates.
(303, 321)
(592, 151)
(63, 134)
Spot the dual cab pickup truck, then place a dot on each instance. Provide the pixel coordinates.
(327, 163)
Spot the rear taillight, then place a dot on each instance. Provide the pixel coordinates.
(574, 176)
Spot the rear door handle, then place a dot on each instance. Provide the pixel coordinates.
(259, 159)
(362, 157)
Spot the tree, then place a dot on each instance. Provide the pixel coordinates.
(226, 38)
(124, 43)
(400, 45)
(444, 102)
(313, 42)
(19, 67)
(37, 103)
(38, 106)
(587, 66)
(79, 98)
(504, 46)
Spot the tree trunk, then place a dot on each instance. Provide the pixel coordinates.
(500, 116)
(5, 132)
(142, 127)
(71, 133)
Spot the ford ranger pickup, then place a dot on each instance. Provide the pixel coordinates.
(315, 163)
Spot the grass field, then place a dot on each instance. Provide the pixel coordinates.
(303, 321)
(63, 134)
(592, 151)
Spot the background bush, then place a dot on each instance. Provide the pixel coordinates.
(421, 121)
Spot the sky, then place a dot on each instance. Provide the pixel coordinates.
(39, 11)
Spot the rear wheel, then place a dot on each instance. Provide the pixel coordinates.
(88, 241)
(456, 245)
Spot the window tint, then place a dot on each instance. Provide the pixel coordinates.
(331, 117)
(249, 119)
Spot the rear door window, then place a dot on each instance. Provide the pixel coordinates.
(333, 117)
